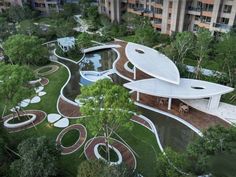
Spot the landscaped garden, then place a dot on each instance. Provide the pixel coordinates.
(106, 107)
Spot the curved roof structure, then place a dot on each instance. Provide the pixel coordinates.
(187, 88)
(152, 62)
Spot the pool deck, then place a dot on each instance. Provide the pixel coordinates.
(199, 119)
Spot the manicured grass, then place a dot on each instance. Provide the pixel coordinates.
(102, 152)
(70, 138)
(44, 70)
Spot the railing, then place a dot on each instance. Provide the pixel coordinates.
(221, 26)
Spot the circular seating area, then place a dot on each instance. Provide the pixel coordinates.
(81, 140)
(46, 70)
(127, 155)
(40, 116)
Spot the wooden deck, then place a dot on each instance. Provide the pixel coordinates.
(198, 119)
(68, 110)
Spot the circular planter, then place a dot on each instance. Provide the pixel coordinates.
(50, 69)
(98, 155)
(21, 124)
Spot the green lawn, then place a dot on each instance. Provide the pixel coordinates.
(139, 138)
(70, 138)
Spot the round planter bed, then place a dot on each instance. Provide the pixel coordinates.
(46, 70)
(76, 143)
(9, 123)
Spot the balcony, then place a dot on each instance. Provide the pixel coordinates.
(194, 10)
(221, 27)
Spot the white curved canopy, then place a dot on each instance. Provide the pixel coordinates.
(152, 62)
(187, 88)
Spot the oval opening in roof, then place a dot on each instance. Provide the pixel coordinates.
(139, 51)
(197, 87)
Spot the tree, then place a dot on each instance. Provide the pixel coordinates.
(14, 86)
(202, 48)
(183, 43)
(6, 29)
(37, 157)
(98, 168)
(146, 35)
(217, 143)
(108, 107)
(84, 41)
(27, 27)
(170, 164)
(64, 28)
(226, 52)
(18, 13)
(23, 49)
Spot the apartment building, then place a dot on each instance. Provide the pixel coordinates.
(168, 16)
(4, 4)
(46, 6)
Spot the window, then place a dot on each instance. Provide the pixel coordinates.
(227, 9)
(224, 21)
(169, 16)
(208, 7)
(170, 4)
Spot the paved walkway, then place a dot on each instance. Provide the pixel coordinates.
(226, 111)
(82, 138)
(198, 119)
(127, 155)
(40, 116)
(68, 110)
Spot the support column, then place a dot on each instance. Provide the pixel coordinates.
(135, 73)
(169, 103)
(214, 102)
(138, 96)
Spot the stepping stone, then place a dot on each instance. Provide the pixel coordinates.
(39, 89)
(35, 99)
(24, 103)
(42, 93)
(62, 123)
(53, 117)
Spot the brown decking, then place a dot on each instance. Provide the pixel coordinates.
(68, 110)
(44, 81)
(78, 143)
(127, 156)
(198, 119)
(40, 116)
(122, 60)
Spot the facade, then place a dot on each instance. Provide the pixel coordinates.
(168, 16)
(4, 4)
(46, 6)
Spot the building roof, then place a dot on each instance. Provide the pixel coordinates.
(187, 88)
(152, 62)
(66, 41)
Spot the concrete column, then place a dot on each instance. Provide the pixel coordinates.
(232, 15)
(169, 103)
(182, 10)
(174, 15)
(135, 72)
(164, 16)
(215, 13)
(138, 96)
(214, 102)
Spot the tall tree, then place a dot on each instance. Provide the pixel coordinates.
(183, 43)
(108, 107)
(23, 49)
(14, 86)
(27, 27)
(84, 41)
(37, 157)
(226, 52)
(202, 48)
(98, 168)
(18, 13)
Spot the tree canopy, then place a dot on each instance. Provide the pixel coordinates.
(14, 86)
(23, 49)
(38, 158)
(84, 41)
(108, 107)
(98, 168)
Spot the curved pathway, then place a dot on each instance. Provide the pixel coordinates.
(40, 116)
(127, 155)
(82, 138)
(67, 109)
